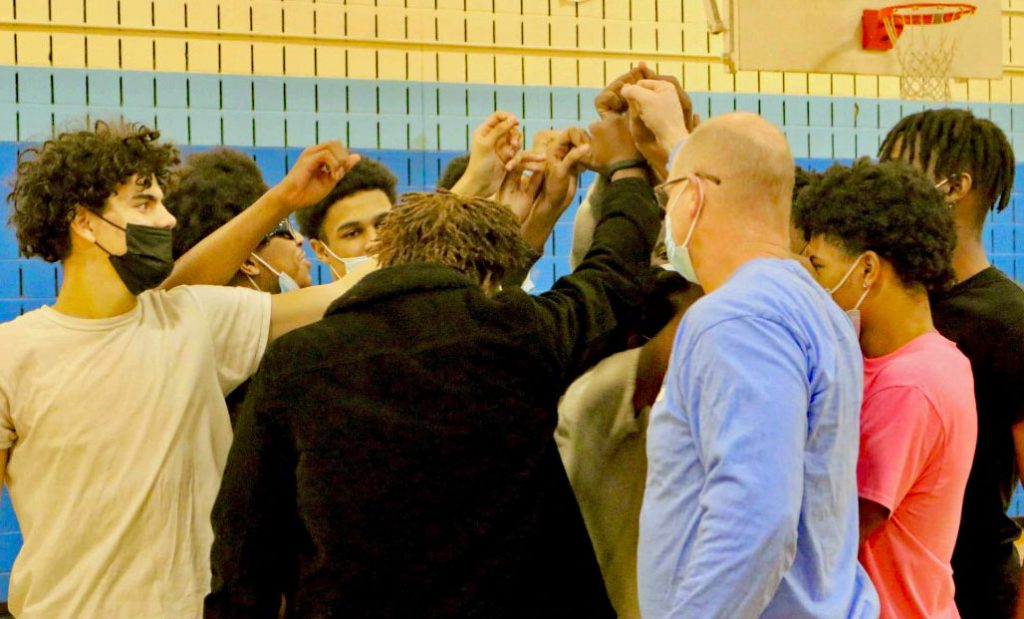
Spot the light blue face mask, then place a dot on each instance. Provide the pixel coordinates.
(284, 281)
(679, 255)
(350, 263)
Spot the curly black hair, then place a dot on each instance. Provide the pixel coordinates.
(802, 179)
(890, 208)
(955, 141)
(213, 187)
(80, 168)
(453, 172)
(364, 176)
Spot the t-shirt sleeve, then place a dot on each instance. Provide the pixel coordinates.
(239, 323)
(7, 432)
(899, 431)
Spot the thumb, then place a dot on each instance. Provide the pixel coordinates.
(571, 161)
(500, 129)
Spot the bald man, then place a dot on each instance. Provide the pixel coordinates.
(750, 507)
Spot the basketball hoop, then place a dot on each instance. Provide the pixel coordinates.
(925, 37)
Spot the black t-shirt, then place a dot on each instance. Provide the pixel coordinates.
(984, 315)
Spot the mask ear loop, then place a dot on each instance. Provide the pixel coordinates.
(333, 255)
(253, 282)
(867, 289)
(853, 266)
(266, 264)
(696, 216)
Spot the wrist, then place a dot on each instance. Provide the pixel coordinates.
(470, 184)
(671, 136)
(276, 202)
(618, 175)
(635, 167)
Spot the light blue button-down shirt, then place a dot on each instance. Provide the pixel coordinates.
(750, 508)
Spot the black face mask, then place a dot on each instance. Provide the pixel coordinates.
(148, 260)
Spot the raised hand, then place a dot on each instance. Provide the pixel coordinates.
(659, 108)
(611, 142)
(609, 100)
(520, 191)
(313, 175)
(566, 161)
(495, 143)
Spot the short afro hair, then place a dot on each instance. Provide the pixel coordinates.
(80, 168)
(453, 172)
(478, 237)
(803, 179)
(364, 176)
(890, 208)
(213, 187)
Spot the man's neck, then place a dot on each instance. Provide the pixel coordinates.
(903, 318)
(969, 257)
(92, 289)
(716, 269)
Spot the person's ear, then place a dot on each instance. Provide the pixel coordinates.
(959, 185)
(250, 268)
(872, 268)
(82, 224)
(319, 249)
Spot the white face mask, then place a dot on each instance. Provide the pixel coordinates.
(679, 256)
(853, 314)
(350, 263)
(284, 281)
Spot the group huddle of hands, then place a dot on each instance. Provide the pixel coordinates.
(642, 116)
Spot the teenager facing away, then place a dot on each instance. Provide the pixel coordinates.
(880, 237)
(437, 491)
(113, 426)
(342, 225)
(983, 313)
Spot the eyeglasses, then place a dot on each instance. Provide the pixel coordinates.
(661, 191)
(283, 230)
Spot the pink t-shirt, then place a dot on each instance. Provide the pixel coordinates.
(919, 427)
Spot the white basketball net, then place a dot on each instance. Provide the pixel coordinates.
(926, 47)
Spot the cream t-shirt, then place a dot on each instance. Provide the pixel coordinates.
(602, 441)
(118, 435)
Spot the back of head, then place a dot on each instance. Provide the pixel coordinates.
(476, 236)
(213, 187)
(367, 175)
(453, 172)
(750, 156)
(889, 208)
(79, 168)
(947, 142)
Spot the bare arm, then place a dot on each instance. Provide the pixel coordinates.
(217, 257)
(292, 310)
(872, 515)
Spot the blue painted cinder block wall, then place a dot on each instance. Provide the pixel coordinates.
(414, 128)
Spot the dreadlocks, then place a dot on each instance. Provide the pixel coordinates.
(478, 237)
(950, 141)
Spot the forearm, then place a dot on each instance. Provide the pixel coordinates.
(471, 185)
(731, 575)
(292, 310)
(217, 258)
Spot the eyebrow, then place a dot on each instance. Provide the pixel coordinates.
(351, 223)
(145, 196)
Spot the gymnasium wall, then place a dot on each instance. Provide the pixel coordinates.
(405, 81)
